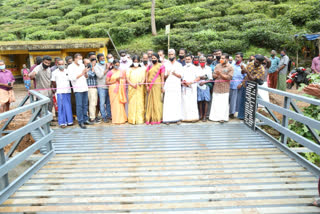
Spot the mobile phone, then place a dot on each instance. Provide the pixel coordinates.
(9, 83)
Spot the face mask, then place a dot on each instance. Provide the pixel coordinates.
(172, 59)
(116, 67)
(238, 62)
(202, 64)
(188, 64)
(154, 61)
(222, 61)
(282, 54)
(123, 58)
(135, 64)
(110, 60)
(93, 59)
(272, 55)
(181, 57)
(209, 61)
(2, 67)
(80, 62)
(45, 66)
(145, 62)
(102, 62)
(218, 58)
(196, 62)
(61, 67)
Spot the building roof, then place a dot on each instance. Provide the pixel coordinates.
(54, 44)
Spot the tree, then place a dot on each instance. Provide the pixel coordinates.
(153, 18)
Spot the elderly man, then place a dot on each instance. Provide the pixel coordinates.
(78, 75)
(42, 75)
(254, 72)
(203, 91)
(53, 68)
(6, 85)
(101, 69)
(145, 61)
(162, 56)
(316, 64)
(273, 75)
(60, 80)
(172, 88)
(223, 73)
(235, 85)
(282, 71)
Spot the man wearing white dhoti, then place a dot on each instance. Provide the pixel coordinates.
(223, 73)
(172, 90)
(190, 77)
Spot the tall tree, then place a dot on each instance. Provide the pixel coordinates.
(153, 18)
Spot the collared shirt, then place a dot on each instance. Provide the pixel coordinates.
(256, 72)
(223, 86)
(43, 79)
(237, 76)
(183, 63)
(99, 69)
(284, 61)
(316, 64)
(6, 77)
(92, 78)
(202, 72)
(274, 64)
(79, 85)
(62, 81)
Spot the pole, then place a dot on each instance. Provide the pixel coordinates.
(168, 41)
(113, 44)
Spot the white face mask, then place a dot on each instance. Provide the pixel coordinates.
(80, 62)
(124, 58)
(188, 64)
(135, 64)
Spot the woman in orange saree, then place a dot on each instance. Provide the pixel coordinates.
(155, 83)
(116, 79)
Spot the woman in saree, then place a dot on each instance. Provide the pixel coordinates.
(116, 79)
(136, 76)
(155, 83)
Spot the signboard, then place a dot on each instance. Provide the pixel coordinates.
(167, 29)
(251, 104)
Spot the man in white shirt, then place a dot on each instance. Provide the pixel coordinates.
(60, 80)
(78, 75)
(172, 111)
(203, 93)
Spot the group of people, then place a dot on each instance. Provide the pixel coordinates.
(152, 89)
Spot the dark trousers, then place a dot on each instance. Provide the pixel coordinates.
(82, 106)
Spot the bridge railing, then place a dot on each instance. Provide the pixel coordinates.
(290, 112)
(39, 122)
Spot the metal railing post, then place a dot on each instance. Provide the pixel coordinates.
(285, 119)
(4, 180)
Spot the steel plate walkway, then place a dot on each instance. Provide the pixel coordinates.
(191, 168)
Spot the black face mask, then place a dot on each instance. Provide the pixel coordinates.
(154, 61)
(145, 62)
(218, 58)
(45, 66)
(172, 59)
(209, 61)
(181, 57)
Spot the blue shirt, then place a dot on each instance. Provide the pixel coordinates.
(183, 63)
(237, 75)
(92, 78)
(274, 64)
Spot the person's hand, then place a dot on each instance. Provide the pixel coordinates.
(315, 85)
(312, 90)
(85, 71)
(201, 83)
(239, 86)
(135, 86)
(148, 88)
(162, 90)
(94, 63)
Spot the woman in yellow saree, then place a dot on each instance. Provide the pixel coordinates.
(136, 76)
(116, 79)
(155, 83)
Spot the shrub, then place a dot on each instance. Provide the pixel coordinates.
(121, 35)
(245, 7)
(301, 13)
(205, 35)
(54, 19)
(75, 15)
(313, 26)
(8, 37)
(46, 35)
(73, 30)
(44, 13)
(95, 30)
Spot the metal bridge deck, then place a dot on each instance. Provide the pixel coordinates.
(191, 168)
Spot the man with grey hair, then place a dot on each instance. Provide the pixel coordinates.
(172, 88)
(6, 85)
(273, 74)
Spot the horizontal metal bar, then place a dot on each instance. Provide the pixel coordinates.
(296, 116)
(24, 130)
(13, 162)
(292, 96)
(291, 134)
(283, 147)
(17, 183)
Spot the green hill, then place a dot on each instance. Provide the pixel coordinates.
(233, 25)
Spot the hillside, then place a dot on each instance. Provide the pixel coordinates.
(233, 25)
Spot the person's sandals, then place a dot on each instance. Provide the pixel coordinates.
(316, 203)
